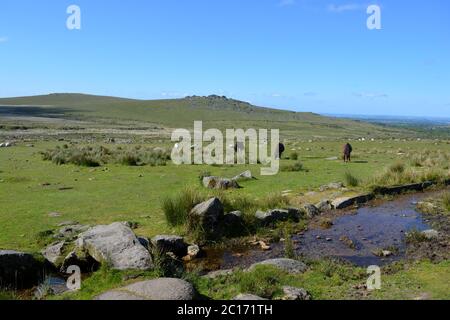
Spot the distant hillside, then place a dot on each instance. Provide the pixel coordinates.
(214, 111)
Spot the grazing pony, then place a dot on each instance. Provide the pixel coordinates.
(280, 151)
(348, 152)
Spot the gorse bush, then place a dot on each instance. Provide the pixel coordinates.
(94, 156)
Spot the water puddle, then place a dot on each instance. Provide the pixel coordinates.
(354, 236)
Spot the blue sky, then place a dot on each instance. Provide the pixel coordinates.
(303, 55)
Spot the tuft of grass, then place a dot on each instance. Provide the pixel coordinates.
(95, 156)
(294, 156)
(398, 174)
(295, 167)
(397, 168)
(264, 281)
(176, 209)
(415, 236)
(351, 180)
(289, 250)
(166, 265)
(339, 270)
(7, 295)
(274, 200)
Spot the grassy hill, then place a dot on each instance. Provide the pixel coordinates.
(214, 111)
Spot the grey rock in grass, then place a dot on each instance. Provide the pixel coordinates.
(220, 183)
(431, 234)
(71, 231)
(207, 216)
(117, 245)
(233, 220)
(19, 270)
(246, 175)
(119, 295)
(218, 273)
(170, 243)
(53, 253)
(157, 289)
(310, 210)
(275, 215)
(287, 265)
(324, 205)
(193, 251)
(248, 297)
(331, 186)
(345, 202)
(295, 294)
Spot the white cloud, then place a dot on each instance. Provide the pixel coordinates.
(286, 3)
(3, 39)
(310, 94)
(346, 7)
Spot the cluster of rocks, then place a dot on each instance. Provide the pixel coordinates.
(286, 265)
(210, 218)
(114, 244)
(275, 215)
(220, 183)
(212, 182)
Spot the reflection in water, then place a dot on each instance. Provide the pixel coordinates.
(370, 229)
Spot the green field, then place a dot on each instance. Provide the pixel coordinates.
(30, 187)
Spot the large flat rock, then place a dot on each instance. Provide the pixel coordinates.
(117, 245)
(345, 202)
(157, 289)
(287, 265)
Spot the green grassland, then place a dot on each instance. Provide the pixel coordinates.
(30, 187)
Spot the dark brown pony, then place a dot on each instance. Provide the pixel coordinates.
(348, 152)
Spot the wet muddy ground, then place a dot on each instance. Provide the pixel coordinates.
(357, 236)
